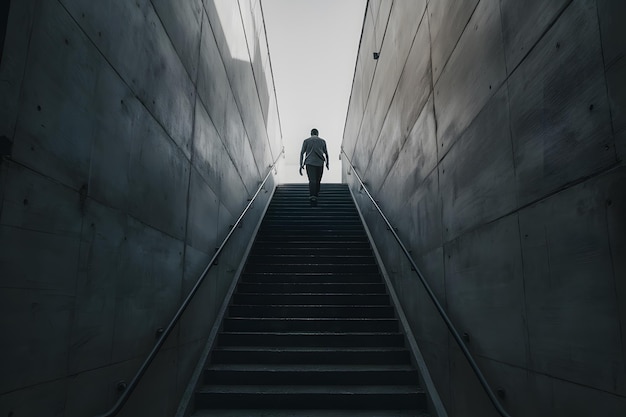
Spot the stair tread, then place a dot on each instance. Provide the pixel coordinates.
(308, 368)
(310, 349)
(308, 413)
(312, 389)
(314, 333)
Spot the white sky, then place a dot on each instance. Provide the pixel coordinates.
(313, 46)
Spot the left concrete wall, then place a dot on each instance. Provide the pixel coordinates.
(138, 130)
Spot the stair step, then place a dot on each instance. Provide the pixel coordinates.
(301, 311)
(328, 287)
(308, 413)
(312, 339)
(310, 375)
(316, 268)
(335, 246)
(311, 299)
(311, 355)
(312, 239)
(249, 324)
(309, 259)
(311, 396)
(311, 250)
(310, 278)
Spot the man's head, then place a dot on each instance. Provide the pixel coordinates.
(314, 132)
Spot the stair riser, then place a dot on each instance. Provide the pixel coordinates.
(313, 268)
(304, 325)
(380, 357)
(299, 299)
(312, 401)
(311, 378)
(308, 259)
(276, 278)
(269, 245)
(317, 231)
(309, 251)
(313, 288)
(303, 312)
(323, 240)
(314, 340)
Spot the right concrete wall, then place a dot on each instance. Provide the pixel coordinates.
(493, 134)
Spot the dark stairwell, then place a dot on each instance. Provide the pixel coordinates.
(310, 325)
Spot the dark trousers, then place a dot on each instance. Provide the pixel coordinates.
(315, 177)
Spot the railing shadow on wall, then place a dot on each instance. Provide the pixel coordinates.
(130, 387)
(452, 329)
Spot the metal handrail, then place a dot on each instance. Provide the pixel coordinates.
(433, 297)
(143, 368)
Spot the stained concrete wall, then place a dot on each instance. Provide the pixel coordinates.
(492, 133)
(138, 130)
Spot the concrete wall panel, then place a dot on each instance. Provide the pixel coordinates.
(50, 400)
(570, 288)
(142, 53)
(417, 157)
(574, 399)
(611, 14)
(117, 112)
(363, 75)
(182, 22)
(559, 111)
(620, 145)
(485, 290)
(31, 319)
(474, 73)
(524, 23)
(93, 332)
(149, 293)
(202, 217)
(420, 310)
(54, 129)
(616, 84)
(33, 202)
(614, 187)
(159, 178)
(56, 260)
(425, 216)
(405, 14)
(197, 320)
(470, 399)
(469, 195)
(13, 62)
(415, 87)
(208, 149)
(447, 20)
(397, 47)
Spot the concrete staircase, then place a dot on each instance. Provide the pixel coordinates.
(310, 326)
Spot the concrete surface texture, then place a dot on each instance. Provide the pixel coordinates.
(137, 130)
(492, 134)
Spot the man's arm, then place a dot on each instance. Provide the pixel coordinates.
(302, 158)
(326, 153)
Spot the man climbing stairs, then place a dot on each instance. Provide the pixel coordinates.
(310, 325)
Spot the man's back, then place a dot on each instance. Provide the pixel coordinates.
(315, 149)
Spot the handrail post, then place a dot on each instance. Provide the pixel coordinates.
(166, 332)
(455, 334)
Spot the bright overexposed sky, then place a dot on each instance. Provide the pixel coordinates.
(313, 46)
